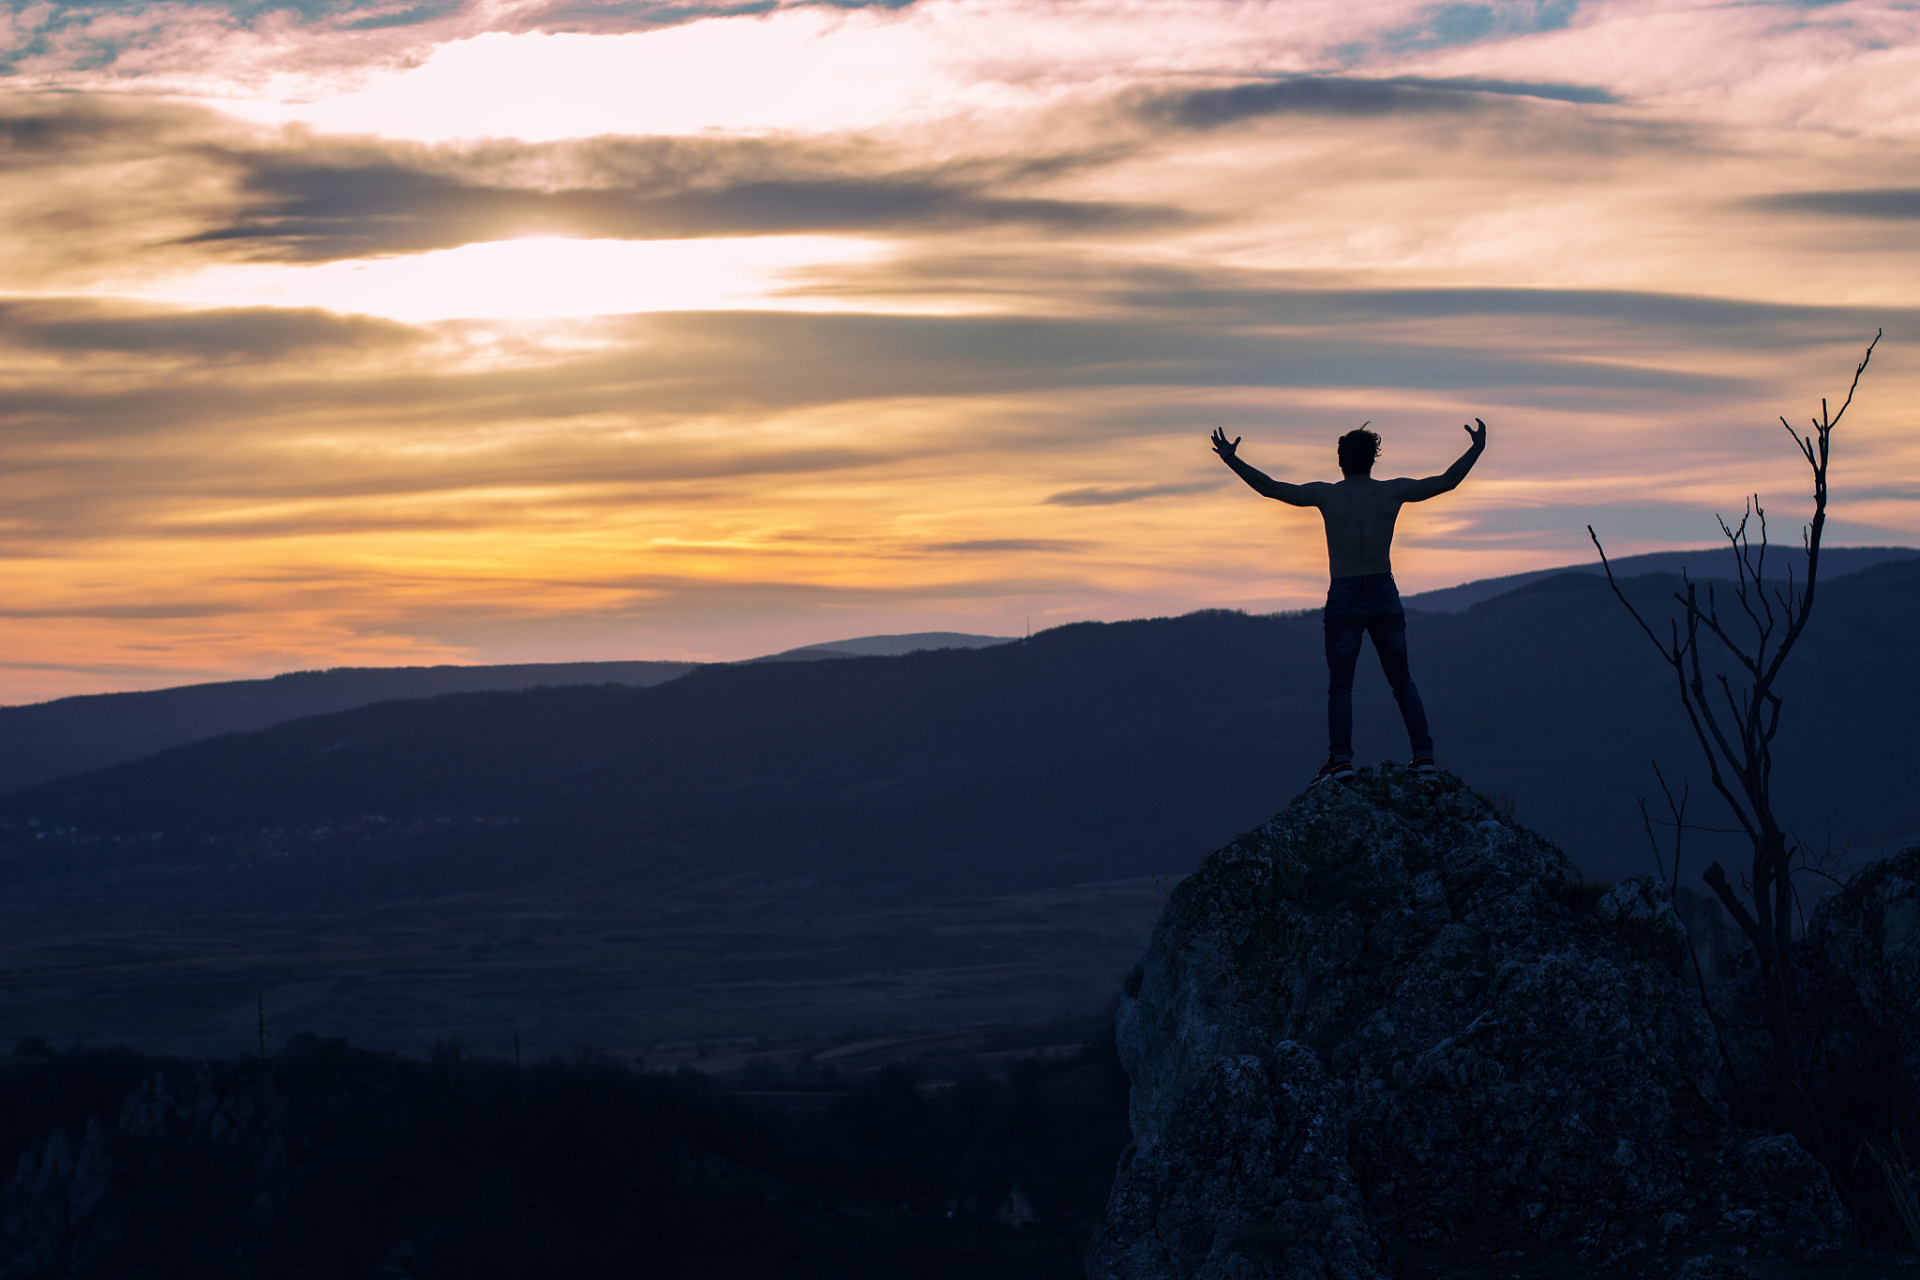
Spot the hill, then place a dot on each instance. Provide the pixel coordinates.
(944, 837)
(46, 740)
(49, 740)
(1704, 563)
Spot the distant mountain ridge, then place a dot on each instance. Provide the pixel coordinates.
(49, 740)
(885, 646)
(944, 838)
(1708, 562)
(1536, 691)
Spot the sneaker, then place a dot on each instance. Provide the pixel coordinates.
(1423, 764)
(1338, 770)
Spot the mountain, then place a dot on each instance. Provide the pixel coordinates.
(46, 740)
(940, 838)
(1708, 562)
(885, 646)
(1016, 763)
(54, 739)
(71, 735)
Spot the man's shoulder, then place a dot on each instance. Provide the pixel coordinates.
(1311, 493)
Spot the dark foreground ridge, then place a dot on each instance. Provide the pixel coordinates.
(1391, 1024)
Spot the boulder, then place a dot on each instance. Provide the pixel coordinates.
(1391, 1017)
(1855, 1007)
(1863, 949)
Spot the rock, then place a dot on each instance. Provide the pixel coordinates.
(1392, 1013)
(58, 1214)
(1863, 949)
(57, 1185)
(1258, 1185)
(1708, 1267)
(1855, 1006)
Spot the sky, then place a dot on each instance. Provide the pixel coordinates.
(393, 333)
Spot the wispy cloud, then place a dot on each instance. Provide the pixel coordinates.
(294, 208)
(1898, 204)
(1098, 497)
(84, 327)
(992, 545)
(1322, 95)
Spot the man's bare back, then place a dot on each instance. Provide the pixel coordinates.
(1358, 510)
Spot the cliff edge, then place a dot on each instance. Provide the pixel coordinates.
(1392, 1018)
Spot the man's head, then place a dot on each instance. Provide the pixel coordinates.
(1358, 448)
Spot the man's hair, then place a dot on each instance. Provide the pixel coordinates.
(1358, 448)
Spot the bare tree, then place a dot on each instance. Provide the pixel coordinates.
(1736, 723)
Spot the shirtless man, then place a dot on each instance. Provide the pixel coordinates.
(1359, 513)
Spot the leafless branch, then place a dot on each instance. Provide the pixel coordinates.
(1736, 730)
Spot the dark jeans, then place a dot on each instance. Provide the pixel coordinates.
(1371, 604)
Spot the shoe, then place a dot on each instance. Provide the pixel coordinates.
(1338, 770)
(1423, 764)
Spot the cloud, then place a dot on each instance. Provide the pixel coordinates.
(1241, 299)
(84, 42)
(1345, 96)
(1896, 204)
(617, 16)
(163, 191)
(738, 475)
(1098, 497)
(174, 610)
(704, 362)
(1667, 521)
(245, 428)
(1070, 247)
(84, 326)
(303, 211)
(42, 130)
(408, 16)
(1446, 25)
(991, 545)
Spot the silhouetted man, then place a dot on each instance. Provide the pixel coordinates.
(1359, 513)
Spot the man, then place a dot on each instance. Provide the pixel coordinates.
(1359, 513)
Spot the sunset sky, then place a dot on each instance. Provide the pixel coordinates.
(337, 334)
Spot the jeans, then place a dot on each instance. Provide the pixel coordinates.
(1369, 604)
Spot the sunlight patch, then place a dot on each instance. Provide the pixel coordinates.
(536, 278)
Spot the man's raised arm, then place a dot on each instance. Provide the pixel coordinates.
(1433, 486)
(1300, 495)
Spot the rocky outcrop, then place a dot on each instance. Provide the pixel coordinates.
(57, 1213)
(1391, 1016)
(1855, 1007)
(1863, 949)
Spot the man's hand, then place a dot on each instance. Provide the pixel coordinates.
(1224, 447)
(1479, 437)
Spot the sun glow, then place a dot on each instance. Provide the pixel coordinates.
(534, 278)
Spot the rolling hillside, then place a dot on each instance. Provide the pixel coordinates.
(985, 819)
